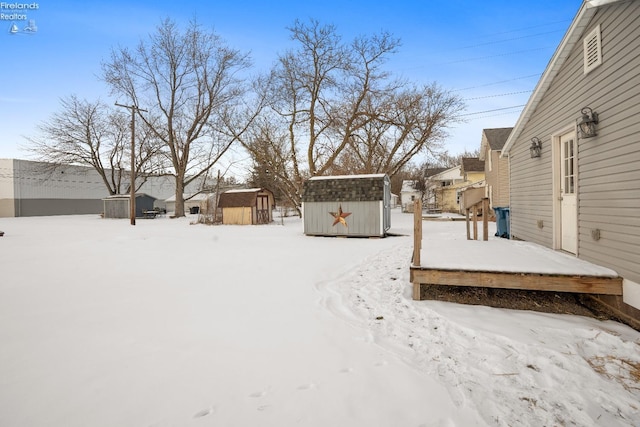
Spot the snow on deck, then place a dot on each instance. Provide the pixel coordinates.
(445, 246)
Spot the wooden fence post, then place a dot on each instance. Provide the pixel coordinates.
(485, 219)
(417, 243)
(417, 232)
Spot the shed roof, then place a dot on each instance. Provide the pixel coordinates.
(345, 188)
(245, 197)
(127, 196)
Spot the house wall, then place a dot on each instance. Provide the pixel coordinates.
(473, 177)
(447, 198)
(366, 219)
(408, 198)
(608, 172)
(497, 178)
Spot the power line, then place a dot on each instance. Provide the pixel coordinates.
(491, 111)
(497, 95)
(525, 28)
(497, 83)
(508, 40)
(497, 55)
(495, 115)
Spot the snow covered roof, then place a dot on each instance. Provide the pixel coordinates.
(408, 186)
(244, 190)
(126, 196)
(245, 197)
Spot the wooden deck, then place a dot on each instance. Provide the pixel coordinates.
(605, 283)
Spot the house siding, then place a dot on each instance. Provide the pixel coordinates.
(499, 180)
(608, 172)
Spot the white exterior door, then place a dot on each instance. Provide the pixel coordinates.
(568, 196)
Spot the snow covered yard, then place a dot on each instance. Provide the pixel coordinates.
(172, 324)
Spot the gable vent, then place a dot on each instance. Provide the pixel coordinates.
(592, 50)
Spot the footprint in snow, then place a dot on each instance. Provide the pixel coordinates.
(258, 394)
(308, 386)
(204, 412)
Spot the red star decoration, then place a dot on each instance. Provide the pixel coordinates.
(340, 216)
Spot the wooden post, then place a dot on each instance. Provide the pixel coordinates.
(417, 243)
(417, 232)
(467, 221)
(132, 185)
(485, 219)
(475, 222)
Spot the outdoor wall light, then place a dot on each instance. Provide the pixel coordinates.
(536, 147)
(587, 123)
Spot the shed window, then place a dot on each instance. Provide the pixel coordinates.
(592, 50)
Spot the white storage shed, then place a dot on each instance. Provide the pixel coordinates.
(347, 205)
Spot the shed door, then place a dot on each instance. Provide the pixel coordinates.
(263, 209)
(568, 197)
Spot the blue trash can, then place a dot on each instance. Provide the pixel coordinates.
(502, 222)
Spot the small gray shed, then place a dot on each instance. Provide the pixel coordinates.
(347, 205)
(118, 206)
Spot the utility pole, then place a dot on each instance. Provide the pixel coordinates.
(132, 185)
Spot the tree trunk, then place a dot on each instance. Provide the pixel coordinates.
(179, 210)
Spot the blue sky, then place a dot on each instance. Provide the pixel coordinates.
(491, 53)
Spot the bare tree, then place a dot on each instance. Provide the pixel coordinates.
(336, 110)
(91, 133)
(315, 90)
(448, 160)
(407, 122)
(190, 82)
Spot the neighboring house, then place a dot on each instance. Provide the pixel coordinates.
(496, 168)
(408, 195)
(429, 199)
(347, 205)
(249, 206)
(441, 190)
(582, 194)
(472, 171)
